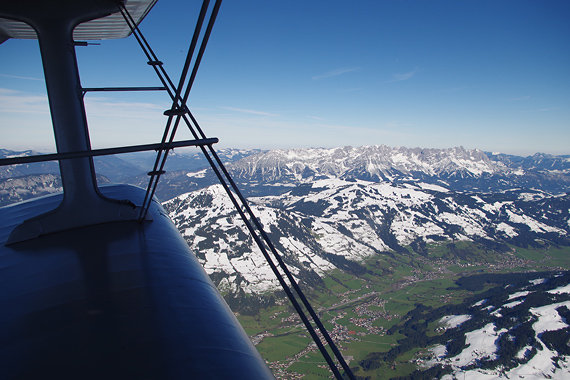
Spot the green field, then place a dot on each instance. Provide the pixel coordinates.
(364, 308)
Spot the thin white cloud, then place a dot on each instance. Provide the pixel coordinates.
(7, 91)
(404, 76)
(21, 77)
(250, 112)
(335, 73)
(12, 101)
(18, 102)
(102, 107)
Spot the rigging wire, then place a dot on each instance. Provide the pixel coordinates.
(180, 110)
(176, 108)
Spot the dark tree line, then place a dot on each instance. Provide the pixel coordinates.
(517, 320)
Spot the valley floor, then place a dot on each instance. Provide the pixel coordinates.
(371, 316)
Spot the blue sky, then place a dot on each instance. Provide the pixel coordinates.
(493, 75)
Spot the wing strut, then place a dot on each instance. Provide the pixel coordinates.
(179, 111)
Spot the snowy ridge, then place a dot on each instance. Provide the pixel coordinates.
(374, 161)
(335, 223)
(273, 172)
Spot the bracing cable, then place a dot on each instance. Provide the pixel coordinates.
(153, 60)
(180, 111)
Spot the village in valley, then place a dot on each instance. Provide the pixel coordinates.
(359, 314)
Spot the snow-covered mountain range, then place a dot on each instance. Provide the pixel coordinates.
(330, 208)
(276, 171)
(334, 223)
(369, 161)
(263, 172)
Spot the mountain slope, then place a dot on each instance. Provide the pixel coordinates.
(272, 172)
(334, 223)
(260, 173)
(517, 327)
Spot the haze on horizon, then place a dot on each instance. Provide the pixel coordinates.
(479, 74)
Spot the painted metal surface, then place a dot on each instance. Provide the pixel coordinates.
(115, 300)
(82, 205)
(88, 291)
(109, 27)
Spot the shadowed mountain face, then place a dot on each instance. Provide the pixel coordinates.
(21, 182)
